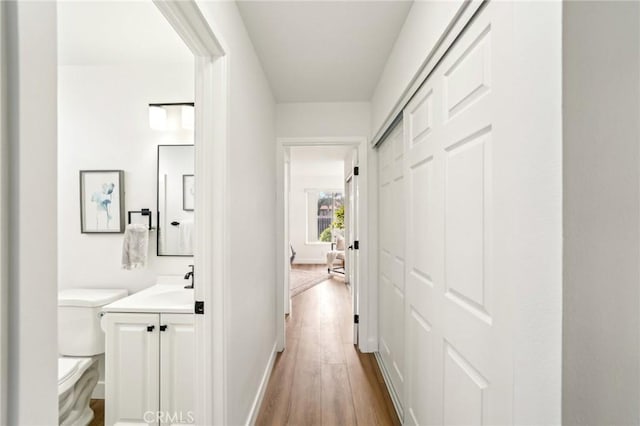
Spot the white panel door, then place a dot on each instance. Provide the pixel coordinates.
(391, 260)
(459, 362)
(351, 259)
(177, 368)
(131, 375)
(352, 266)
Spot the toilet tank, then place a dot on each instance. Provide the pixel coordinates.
(79, 312)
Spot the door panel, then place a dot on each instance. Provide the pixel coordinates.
(424, 216)
(443, 308)
(391, 259)
(177, 349)
(131, 380)
(352, 232)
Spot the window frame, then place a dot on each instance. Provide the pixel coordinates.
(311, 217)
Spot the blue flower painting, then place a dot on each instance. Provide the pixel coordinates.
(103, 202)
(102, 208)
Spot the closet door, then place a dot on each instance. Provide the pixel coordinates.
(391, 260)
(459, 358)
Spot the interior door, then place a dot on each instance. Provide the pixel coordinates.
(459, 362)
(391, 262)
(352, 254)
(132, 366)
(348, 232)
(287, 239)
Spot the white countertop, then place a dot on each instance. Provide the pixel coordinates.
(168, 296)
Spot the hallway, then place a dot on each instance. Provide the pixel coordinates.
(321, 378)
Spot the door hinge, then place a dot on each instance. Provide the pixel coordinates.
(199, 307)
(356, 245)
(356, 171)
(356, 319)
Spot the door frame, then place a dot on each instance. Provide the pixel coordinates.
(282, 244)
(211, 243)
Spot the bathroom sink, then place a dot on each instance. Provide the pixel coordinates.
(161, 298)
(169, 297)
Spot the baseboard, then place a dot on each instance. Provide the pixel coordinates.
(371, 344)
(392, 392)
(257, 401)
(98, 392)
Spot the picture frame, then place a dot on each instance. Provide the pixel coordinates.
(102, 201)
(188, 193)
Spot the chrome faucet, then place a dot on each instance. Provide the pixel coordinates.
(191, 275)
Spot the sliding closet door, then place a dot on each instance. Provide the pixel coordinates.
(391, 260)
(459, 359)
(424, 171)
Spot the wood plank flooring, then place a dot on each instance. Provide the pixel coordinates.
(321, 378)
(97, 405)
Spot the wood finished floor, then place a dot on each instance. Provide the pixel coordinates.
(97, 405)
(321, 378)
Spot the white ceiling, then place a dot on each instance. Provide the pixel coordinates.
(116, 32)
(323, 51)
(318, 160)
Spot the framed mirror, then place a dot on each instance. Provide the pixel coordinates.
(176, 200)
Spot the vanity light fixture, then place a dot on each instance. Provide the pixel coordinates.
(187, 116)
(171, 116)
(157, 117)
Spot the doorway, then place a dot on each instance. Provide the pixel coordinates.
(323, 375)
(207, 72)
(354, 154)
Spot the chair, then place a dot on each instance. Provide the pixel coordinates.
(336, 256)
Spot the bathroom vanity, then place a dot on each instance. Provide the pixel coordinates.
(150, 350)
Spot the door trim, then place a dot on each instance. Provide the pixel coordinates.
(367, 300)
(211, 240)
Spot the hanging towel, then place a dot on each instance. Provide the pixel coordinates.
(135, 246)
(186, 238)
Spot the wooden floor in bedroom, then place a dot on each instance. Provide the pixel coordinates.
(321, 378)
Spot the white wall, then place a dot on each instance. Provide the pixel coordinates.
(4, 173)
(423, 27)
(601, 348)
(313, 253)
(28, 204)
(251, 213)
(103, 124)
(323, 119)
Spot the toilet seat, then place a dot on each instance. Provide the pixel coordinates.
(66, 368)
(76, 379)
(69, 369)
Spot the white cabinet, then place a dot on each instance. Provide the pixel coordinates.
(149, 368)
(177, 368)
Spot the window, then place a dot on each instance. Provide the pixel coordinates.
(321, 212)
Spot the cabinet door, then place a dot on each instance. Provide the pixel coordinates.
(132, 363)
(177, 368)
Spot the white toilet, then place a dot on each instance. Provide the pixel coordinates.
(80, 342)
